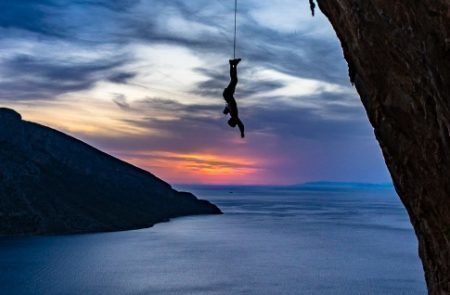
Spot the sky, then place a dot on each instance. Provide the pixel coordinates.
(143, 81)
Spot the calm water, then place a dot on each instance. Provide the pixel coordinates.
(270, 241)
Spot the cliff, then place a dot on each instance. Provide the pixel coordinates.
(53, 183)
(398, 58)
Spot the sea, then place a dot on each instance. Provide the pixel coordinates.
(270, 240)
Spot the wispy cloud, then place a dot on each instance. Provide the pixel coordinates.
(30, 77)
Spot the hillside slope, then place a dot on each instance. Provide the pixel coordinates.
(53, 183)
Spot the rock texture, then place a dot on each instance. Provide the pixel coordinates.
(398, 57)
(53, 183)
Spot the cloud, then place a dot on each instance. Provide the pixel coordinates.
(204, 27)
(121, 77)
(193, 127)
(121, 101)
(29, 77)
(218, 78)
(197, 161)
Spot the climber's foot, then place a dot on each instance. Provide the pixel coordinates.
(235, 62)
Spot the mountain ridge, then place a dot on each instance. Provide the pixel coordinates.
(52, 183)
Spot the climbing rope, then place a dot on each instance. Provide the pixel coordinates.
(235, 27)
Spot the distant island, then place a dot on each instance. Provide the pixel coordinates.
(345, 185)
(51, 183)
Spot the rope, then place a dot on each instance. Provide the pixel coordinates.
(235, 28)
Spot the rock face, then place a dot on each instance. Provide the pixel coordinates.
(53, 183)
(398, 57)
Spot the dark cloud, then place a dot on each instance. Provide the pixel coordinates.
(298, 55)
(218, 79)
(116, 5)
(186, 110)
(286, 121)
(121, 101)
(31, 77)
(121, 78)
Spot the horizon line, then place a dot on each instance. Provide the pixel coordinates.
(307, 183)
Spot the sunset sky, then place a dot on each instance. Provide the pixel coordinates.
(143, 80)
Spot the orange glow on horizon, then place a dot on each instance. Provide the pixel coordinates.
(201, 168)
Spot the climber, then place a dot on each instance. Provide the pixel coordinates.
(228, 95)
(312, 5)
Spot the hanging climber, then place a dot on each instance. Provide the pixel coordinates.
(228, 95)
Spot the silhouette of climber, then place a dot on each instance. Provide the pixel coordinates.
(228, 95)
